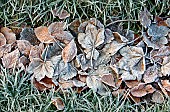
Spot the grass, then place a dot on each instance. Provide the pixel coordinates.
(17, 94)
(16, 91)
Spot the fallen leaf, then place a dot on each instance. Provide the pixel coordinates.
(41, 68)
(58, 103)
(9, 35)
(142, 89)
(144, 18)
(10, 60)
(29, 35)
(69, 52)
(61, 13)
(131, 83)
(109, 80)
(43, 34)
(5, 49)
(166, 66)
(66, 84)
(78, 83)
(2, 39)
(166, 84)
(157, 97)
(24, 47)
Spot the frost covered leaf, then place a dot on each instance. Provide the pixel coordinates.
(56, 30)
(58, 103)
(82, 62)
(142, 89)
(68, 72)
(96, 85)
(24, 47)
(29, 35)
(91, 39)
(69, 52)
(2, 40)
(11, 59)
(166, 84)
(168, 22)
(41, 68)
(78, 83)
(157, 32)
(118, 42)
(109, 80)
(36, 51)
(151, 74)
(43, 34)
(62, 14)
(165, 69)
(132, 64)
(157, 97)
(66, 84)
(74, 25)
(131, 83)
(5, 49)
(144, 18)
(9, 35)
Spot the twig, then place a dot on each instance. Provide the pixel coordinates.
(121, 21)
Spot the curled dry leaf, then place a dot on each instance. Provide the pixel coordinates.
(39, 86)
(58, 103)
(9, 35)
(142, 89)
(41, 68)
(82, 62)
(69, 52)
(29, 35)
(43, 34)
(66, 84)
(24, 47)
(90, 40)
(157, 97)
(61, 13)
(10, 60)
(2, 40)
(144, 18)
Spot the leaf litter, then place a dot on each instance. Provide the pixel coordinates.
(96, 57)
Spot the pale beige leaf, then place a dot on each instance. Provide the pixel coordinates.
(165, 69)
(10, 60)
(157, 97)
(2, 39)
(62, 14)
(58, 103)
(5, 49)
(69, 52)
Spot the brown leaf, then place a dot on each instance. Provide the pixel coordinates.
(119, 92)
(41, 68)
(36, 51)
(109, 80)
(157, 97)
(69, 52)
(58, 103)
(9, 35)
(132, 83)
(61, 13)
(47, 82)
(2, 40)
(166, 84)
(39, 86)
(66, 84)
(135, 99)
(151, 74)
(11, 59)
(142, 89)
(43, 34)
(5, 49)
(24, 47)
